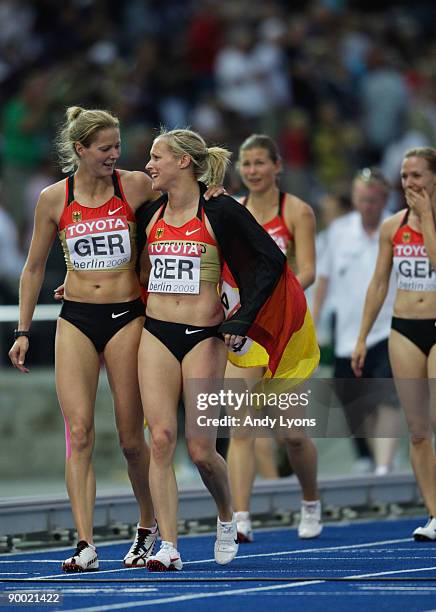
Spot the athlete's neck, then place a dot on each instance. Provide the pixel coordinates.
(183, 196)
(262, 205)
(91, 184)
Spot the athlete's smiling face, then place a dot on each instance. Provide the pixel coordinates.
(102, 153)
(417, 175)
(163, 167)
(258, 171)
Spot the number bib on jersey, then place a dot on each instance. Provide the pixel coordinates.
(100, 244)
(175, 268)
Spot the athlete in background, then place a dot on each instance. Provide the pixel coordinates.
(408, 243)
(291, 224)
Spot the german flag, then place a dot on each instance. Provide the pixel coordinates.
(283, 333)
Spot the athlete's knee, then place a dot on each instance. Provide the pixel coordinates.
(201, 455)
(81, 436)
(163, 442)
(418, 439)
(132, 443)
(132, 450)
(296, 444)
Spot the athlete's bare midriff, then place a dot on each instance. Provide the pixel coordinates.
(415, 304)
(202, 309)
(102, 287)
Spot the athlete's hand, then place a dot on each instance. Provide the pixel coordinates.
(234, 343)
(58, 293)
(214, 191)
(418, 200)
(17, 354)
(358, 358)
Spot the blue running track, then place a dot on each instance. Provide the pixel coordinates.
(277, 570)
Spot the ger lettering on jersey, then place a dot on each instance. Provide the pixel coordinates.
(411, 261)
(101, 238)
(181, 257)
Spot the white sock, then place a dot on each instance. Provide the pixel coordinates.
(152, 529)
(242, 516)
(225, 522)
(310, 505)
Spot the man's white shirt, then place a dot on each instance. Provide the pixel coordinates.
(348, 263)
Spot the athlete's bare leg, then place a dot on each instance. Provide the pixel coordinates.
(77, 372)
(303, 459)
(266, 461)
(386, 424)
(160, 380)
(241, 456)
(121, 358)
(206, 362)
(409, 362)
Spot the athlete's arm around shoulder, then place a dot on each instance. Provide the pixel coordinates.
(300, 220)
(137, 188)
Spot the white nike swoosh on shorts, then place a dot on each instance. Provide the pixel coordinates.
(274, 231)
(189, 232)
(192, 331)
(112, 212)
(119, 314)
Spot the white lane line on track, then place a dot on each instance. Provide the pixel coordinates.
(303, 551)
(229, 593)
(396, 588)
(252, 556)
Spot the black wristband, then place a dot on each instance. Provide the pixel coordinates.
(18, 333)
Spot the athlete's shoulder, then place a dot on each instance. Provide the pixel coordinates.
(134, 177)
(391, 224)
(137, 186)
(295, 203)
(296, 210)
(53, 194)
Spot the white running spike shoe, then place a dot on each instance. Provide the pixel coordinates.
(243, 527)
(310, 521)
(167, 559)
(142, 547)
(426, 533)
(226, 544)
(83, 560)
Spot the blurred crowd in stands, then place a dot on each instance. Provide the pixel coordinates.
(339, 84)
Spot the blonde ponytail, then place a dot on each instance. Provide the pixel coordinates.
(208, 164)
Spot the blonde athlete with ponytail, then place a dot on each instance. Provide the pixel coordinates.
(180, 340)
(185, 340)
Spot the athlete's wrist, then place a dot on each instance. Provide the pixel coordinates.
(18, 333)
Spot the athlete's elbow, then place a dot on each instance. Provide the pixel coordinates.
(309, 279)
(33, 269)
